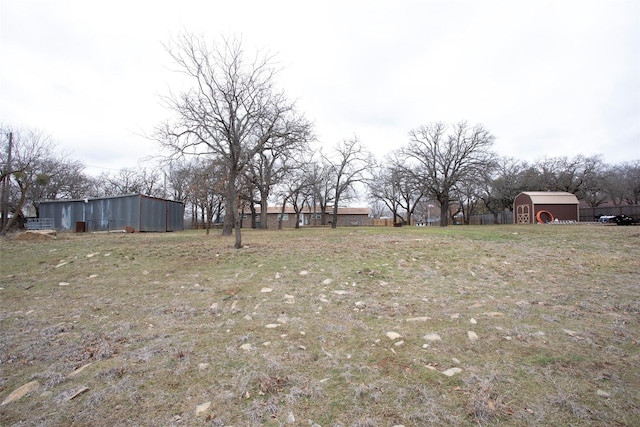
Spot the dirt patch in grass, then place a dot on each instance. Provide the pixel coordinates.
(515, 325)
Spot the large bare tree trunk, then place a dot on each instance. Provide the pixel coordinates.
(231, 209)
(444, 211)
(238, 243)
(264, 205)
(18, 212)
(334, 217)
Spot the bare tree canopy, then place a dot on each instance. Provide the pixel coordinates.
(444, 156)
(349, 164)
(502, 183)
(395, 184)
(620, 183)
(233, 111)
(28, 149)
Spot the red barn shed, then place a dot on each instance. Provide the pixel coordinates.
(532, 207)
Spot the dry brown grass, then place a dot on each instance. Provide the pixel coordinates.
(153, 325)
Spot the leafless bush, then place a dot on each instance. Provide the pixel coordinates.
(218, 421)
(98, 347)
(371, 391)
(260, 408)
(365, 422)
(54, 379)
(112, 374)
(271, 384)
(52, 331)
(570, 402)
(95, 399)
(419, 403)
(484, 404)
(310, 391)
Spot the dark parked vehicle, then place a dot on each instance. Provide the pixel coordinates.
(623, 220)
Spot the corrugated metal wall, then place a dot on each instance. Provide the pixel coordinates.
(175, 216)
(154, 214)
(142, 213)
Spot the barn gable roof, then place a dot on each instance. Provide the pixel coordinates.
(552, 197)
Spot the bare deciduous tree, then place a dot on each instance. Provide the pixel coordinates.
(124, 181)
(630, 177)
(569, 174)
(60, 178)
(232, 112)
(30, 148)
(378, 208)
(271, 165)
(297, 186)
(501, 184)
(177, 176)
(383, 189)
(321, 177)
(444, 160)
(396, 185)
(349, 165)
(594, 177)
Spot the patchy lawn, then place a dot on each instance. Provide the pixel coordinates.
(413, 326)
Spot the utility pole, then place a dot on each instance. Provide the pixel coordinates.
(5, 188)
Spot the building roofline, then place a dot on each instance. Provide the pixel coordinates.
(88, 199)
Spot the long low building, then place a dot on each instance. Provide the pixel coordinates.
(311, 217)
(133, 212)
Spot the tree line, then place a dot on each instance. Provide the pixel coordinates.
(406, 189)
(235, 141)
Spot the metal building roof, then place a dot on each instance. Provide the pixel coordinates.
(551, 197)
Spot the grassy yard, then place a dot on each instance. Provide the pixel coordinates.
(413, 326)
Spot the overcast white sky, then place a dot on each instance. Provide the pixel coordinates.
(545, 77)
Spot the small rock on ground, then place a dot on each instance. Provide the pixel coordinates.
(418, 319)
(393, 335)
(202, 408)
(78, 370)
(452, 371)
(20, 392)
(78, 392)
(432, 337)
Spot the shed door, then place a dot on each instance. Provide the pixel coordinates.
(523, 215)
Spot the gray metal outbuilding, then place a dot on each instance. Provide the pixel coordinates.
(134, 212)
